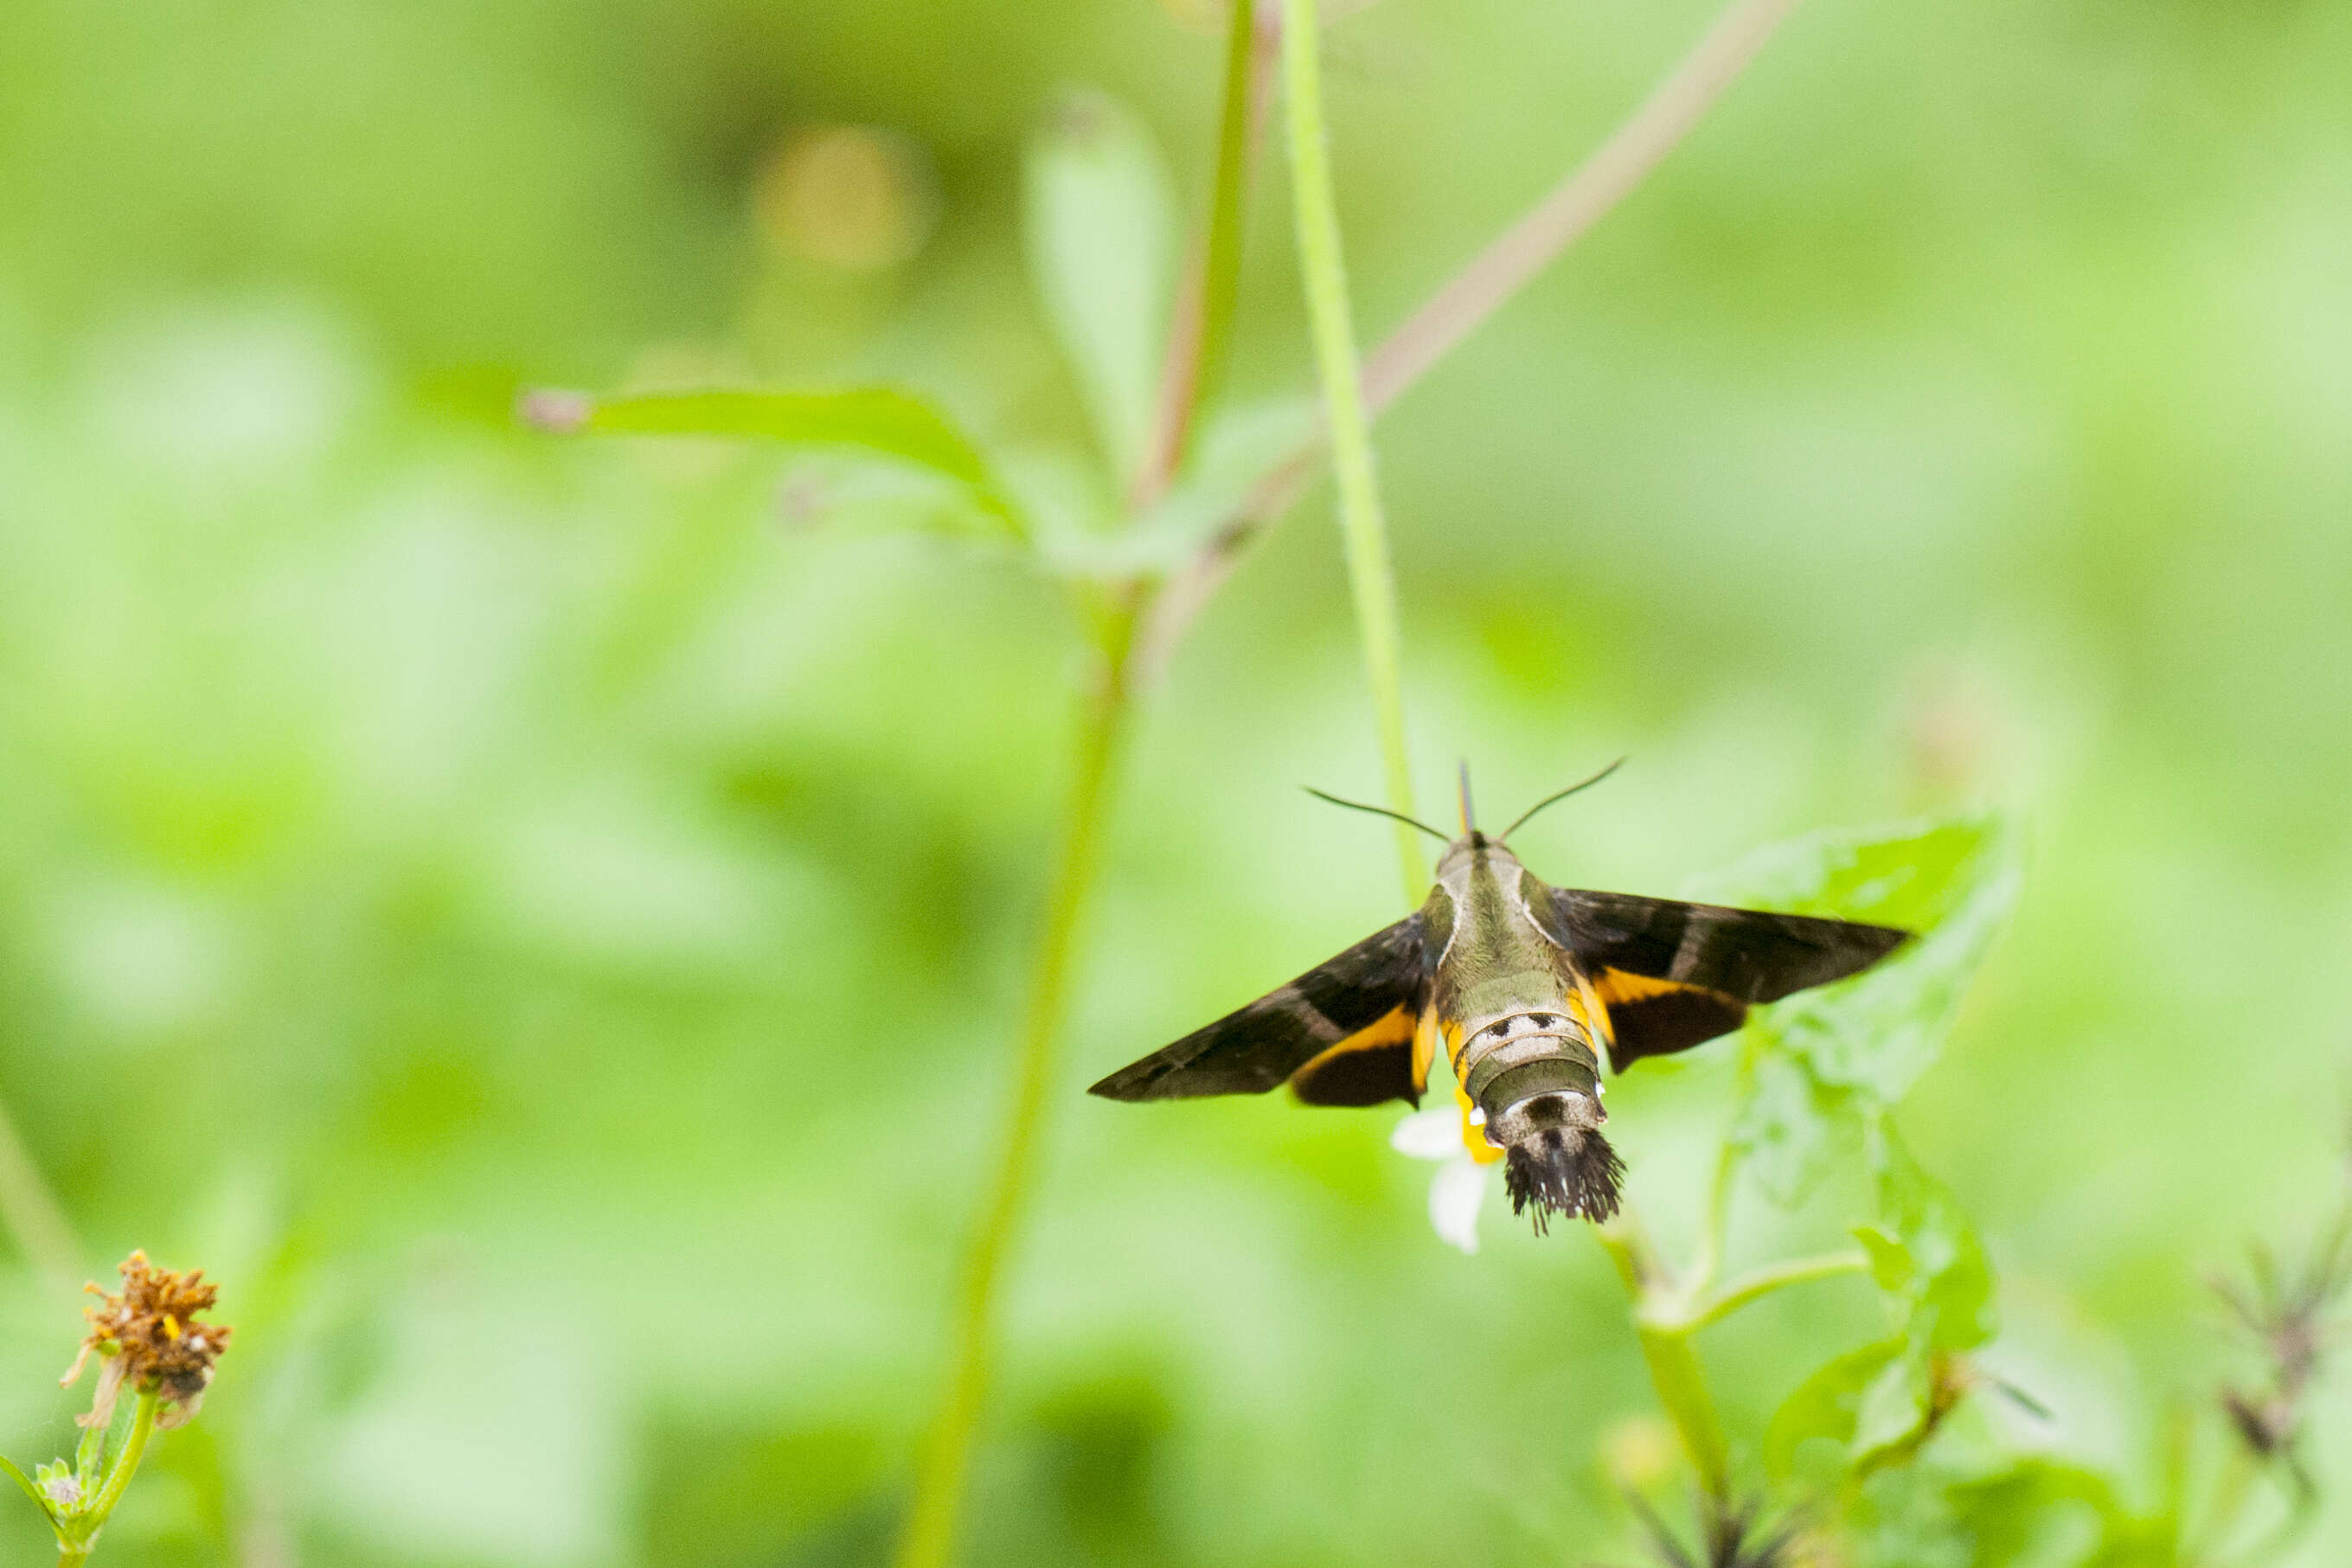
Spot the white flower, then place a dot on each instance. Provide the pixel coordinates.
(1458, 1189)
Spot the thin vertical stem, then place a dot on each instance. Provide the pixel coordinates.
(1716, 1220)
(939, 1483)
(1675, 1372)
(1201, 331)
(126, 1463)
(1325, 275)
(1682, 1388)
(33, 1215)
(1220, 267)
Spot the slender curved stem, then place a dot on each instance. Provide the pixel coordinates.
(1675, 1374)
(1199, 331)
(1580, 201)
(929, 1537)
(1681, 1386)
(1346, 423)
(1758, 1283)
(1221, 263)
(1576, 203)
(126, 1463)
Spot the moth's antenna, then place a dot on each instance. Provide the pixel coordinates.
(1563, 795)
(1469, 819)
(1378, 811)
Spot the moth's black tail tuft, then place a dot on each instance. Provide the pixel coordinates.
(1563, 1170)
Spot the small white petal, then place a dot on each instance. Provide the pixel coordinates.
(1455, 1195)
(1432, 1135)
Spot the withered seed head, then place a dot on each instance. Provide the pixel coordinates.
(150, 1338)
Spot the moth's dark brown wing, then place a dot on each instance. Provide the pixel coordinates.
(1674, 974)
(1370, 1067)
(1658, 1017)
(1341, 1016)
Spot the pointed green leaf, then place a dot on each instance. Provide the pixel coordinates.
(1786, 1125)
(1101, 229)
(1891, 1264)
(40, 1501)
(1948, 1284)
(1822, 1056)
(880, 421)
(2008, 1513)
(1236, 449)
(1826, 1405)
(1952, 884)
(1891, 1411)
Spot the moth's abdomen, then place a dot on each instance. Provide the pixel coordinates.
(1510, 1059)
(1536, 1081)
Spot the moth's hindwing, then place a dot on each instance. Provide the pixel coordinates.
(1371, 1066)
(1349, 1022)
(1673, 974)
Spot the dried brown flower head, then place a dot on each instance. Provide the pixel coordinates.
(2287, 1316)
(1729, 1535)
(149, 1337)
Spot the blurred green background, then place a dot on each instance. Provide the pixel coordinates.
(542, 923)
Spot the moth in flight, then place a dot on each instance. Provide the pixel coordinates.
(1529, 988)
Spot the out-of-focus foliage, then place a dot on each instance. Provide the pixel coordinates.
(540, 924)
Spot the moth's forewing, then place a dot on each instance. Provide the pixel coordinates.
(1351, 1018)
(1674, 974)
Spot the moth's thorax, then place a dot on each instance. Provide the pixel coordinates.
(1518, 1017)
(1494, 959)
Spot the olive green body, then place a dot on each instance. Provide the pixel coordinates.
(1517, 1013)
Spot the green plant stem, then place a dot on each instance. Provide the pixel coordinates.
(929, 1537)
(1573, 207)
(1220, 267)
(1758, 1283)
(1675, 1374)
(76, 1549)
(126, 1463)
(1324, 273)
(1199, 331)
(1585, 196)
(1718, 1219)
(1681, 1386)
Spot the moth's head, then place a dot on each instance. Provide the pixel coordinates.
(1467, 849)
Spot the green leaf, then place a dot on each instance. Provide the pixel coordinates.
(1891, 1412)
(1787, 1124)
(1952, 884)
(2018, 1513)
(1101, 229)
(1947, 1286)
(25, 1482)
(1237, 449)
(1909, 875)
(1926, 1257)
(1822, 1056)
(880, 421)
(1826, 1405)
(1891, 1265)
